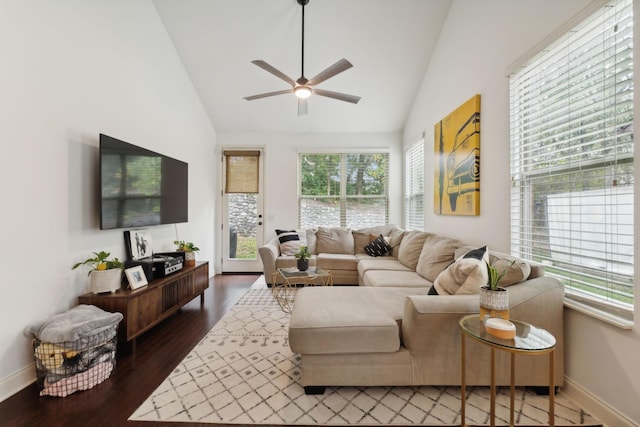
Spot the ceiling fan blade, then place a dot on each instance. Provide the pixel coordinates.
(334, 69)
(264, 95)
(271, 69)
(336, 95)
(303, 108)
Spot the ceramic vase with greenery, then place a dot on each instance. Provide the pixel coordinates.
(105, 274)
(494, 300)
(302, 258)
(189, 250)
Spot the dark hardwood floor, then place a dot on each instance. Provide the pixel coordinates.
(136, 375)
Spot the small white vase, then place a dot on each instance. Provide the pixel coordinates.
(189, 258)
(494, 303)
(105, 280)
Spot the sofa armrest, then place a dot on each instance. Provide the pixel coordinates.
(268, 254)
(431, 321)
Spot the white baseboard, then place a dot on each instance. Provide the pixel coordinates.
(17, 381)
(596, 407)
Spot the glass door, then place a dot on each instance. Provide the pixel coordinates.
(242, 227)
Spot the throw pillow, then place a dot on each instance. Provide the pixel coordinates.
(517, 271)
(465, 275)
(362, 237)
(378, 247)
(289, 241)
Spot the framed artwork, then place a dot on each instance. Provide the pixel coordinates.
(138, 244)
(457, 158)
(136, 277)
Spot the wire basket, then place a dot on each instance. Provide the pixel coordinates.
(66, 367)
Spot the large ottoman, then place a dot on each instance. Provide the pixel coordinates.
(350, 336)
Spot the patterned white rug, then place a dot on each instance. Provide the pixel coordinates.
(243, 372)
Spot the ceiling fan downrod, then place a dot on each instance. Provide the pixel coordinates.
(302, 80)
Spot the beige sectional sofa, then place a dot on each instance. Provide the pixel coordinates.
(390, 330)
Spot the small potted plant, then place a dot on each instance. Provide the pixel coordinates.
(189, 250)
(105, 274)
(302, 258)
(494, 300)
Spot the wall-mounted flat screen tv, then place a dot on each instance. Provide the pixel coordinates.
(140, 187)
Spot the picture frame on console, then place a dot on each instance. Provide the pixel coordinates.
(136, 277)
(138, 244)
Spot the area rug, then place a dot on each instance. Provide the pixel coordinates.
(243, 372)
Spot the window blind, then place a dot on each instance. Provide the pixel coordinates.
(242, 171)
(572, 160)
(414, 186)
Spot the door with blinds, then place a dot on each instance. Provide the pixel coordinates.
(242, 227)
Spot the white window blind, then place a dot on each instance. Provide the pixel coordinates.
(414, 186)
(343, 189)
(571, 116)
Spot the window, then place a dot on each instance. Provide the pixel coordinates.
(343, 189)
(414, 186)
(572, 169)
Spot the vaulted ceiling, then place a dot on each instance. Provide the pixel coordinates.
(389, 43)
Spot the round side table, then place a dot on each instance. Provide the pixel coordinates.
(528, 340)
(285, 281)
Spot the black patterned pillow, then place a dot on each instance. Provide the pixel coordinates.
(289, 241)
(378, 247)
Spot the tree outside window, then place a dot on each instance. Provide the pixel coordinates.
(343, 189)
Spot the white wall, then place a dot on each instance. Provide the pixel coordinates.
(479, 41)
(281, 150)
(72, 69)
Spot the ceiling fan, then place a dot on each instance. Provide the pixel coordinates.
(303, 87)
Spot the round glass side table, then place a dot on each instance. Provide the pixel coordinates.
(529, 340)
(286, 280)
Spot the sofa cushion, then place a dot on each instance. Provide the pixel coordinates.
(290, 261)
(395, 279)
(335, 240)
(337, 262)
(465, 275)
(338, 320)
(437, 253)
(395, 238)
(410, 247)
(379, 263)
(289, 241)
(312, 241)
(378, 247)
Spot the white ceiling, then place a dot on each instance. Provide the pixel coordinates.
(389, 43)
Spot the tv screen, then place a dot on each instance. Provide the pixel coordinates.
(140, 187)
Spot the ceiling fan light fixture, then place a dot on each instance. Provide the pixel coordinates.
(302, 92)
(303, 87)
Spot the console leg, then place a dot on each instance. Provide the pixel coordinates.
(314, 389)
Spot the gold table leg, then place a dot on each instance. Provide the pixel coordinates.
(492, 411)
(463, 400)
(551, 390)
(513, 388)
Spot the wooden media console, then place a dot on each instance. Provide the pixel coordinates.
(145, 307)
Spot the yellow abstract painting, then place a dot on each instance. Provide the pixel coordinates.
(457, 158)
